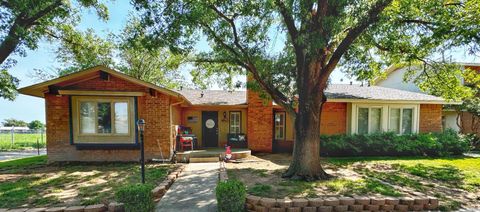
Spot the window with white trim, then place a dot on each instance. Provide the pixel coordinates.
(369, 120)
(279, 126)
(401, 120)
(377, 117)
(235, 122)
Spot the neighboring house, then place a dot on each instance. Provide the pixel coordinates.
(450, 117)
(91, 115)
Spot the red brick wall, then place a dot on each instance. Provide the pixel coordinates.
(259, 123)
(333, 118)
(155, 111)
(430, 118)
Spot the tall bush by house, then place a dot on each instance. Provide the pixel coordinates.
(390, 144)
(136, 197)
(231, 196)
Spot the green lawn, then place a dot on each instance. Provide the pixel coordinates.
(31, 182)
(454, 180)
(21, 141)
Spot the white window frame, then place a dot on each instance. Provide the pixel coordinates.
(369, 127)
(401, 117)
(385, 120)
(235, 125)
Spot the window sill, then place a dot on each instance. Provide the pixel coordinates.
(110, 146)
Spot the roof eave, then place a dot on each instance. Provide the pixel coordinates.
(443, 102)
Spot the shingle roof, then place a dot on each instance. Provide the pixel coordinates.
(343, 91)
(215, 97)
(334, 91)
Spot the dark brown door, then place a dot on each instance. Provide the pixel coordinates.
(210, 128)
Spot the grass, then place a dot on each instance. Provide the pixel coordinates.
(21, 141)
(31, 182)
(452, 179)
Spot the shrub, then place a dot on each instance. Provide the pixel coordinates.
(231, 196)
(390, 144)
(136, 197)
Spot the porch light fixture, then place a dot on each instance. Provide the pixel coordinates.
(141, 128)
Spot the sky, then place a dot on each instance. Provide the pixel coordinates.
(29, 108)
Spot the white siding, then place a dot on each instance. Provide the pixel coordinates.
(395, 80)
(449, 120)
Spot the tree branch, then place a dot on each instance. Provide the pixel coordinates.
(289, 21)
(353, 33)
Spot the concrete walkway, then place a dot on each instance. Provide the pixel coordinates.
(194, 190)
(20, 154)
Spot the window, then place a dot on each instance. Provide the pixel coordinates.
(401, 120)
(96, 117)
(103, 119)
(235, 122)
(279, 126)
(369, 120)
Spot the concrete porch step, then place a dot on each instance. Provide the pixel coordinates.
(203, 159)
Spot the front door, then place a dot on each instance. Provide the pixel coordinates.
(210, 128)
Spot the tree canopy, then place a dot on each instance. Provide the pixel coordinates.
(361, 38)
(14, 122)
(24, 23)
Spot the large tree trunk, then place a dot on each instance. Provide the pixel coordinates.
(305, 164)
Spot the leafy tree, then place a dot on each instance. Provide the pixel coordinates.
(358, 37)
(24, 22)
(36, 125)
(14, 122)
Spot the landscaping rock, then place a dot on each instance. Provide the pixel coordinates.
(158, 191)
(346, 201)
(249, 206)
(406, 201)
(253, 199)
(172, 177)
(377, 201)
(95, 208)
(392, 201)
(18, 210)
(433, 201)
(300, 202)
(116, 207)
(431, 207)
(415, 207)
(325, 209)
(355, 207)
(284, 203)
(74, 209)
(331, 201)
(56, 209)
(372, 207)
(361, 200)
(309, 209)
(36, 209)
(340, 208)
(315, 202)
(387, 207)
(294, 209)
(421, 201)
(276, 210)
(268, 202)
(259, 208)
(401, 207)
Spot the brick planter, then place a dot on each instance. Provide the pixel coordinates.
(157, 193)
(330, 204)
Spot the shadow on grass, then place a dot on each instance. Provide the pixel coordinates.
(445, 173)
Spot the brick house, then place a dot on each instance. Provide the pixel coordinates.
(91, 115)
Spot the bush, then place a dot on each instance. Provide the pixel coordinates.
(390, 144)
(231, 196)
(136, 197)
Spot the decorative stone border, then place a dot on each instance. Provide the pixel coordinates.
(328, 204)
(157, 193)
